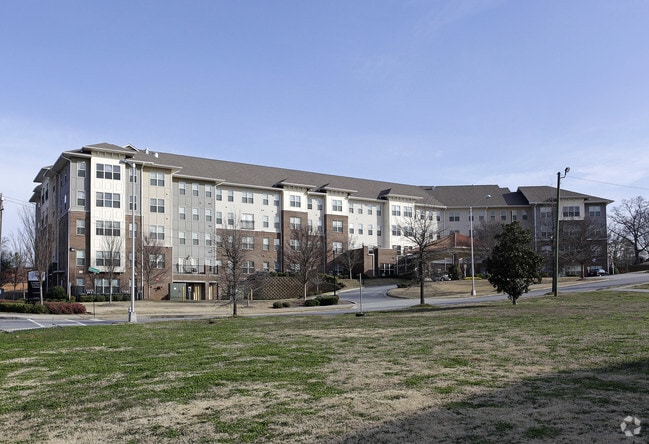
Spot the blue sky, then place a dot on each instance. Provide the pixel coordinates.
(447, 92)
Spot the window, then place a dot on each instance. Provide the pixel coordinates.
(370, 209)
(594, 211)
(219, 241)
(351, 208)
(570, 211)
(219, 194)
(81, 198)
(296, 201)
(264, 199)
(294, 244)
(503, 215)
(81, 258)
(338, 226)
(337, 205)
(219, 218)
(208, 239)
(454, 216)
(131, 229)
(182, 186)
(546, 212)
(524, 214)
(108, 200)
(157, 261)
(107, 228)
(248, 267)
(276, 222)
(337, 247)
(194, 238)
(248, 243)
(396, 210)
(230, 219)
(195, 189)
(195, 214)
(319, 204)
(546, 232)
(156, 179)
(378, 211)
(208, 190)
(181, 238)
(309, 203)
(351, 228)
(295, 223)
(132, 175)
(81, 169)
(81, 226)
(230, 196)
(248, 221)
(132, 203)
(276, 244)
(208, 215)
(265, 244)
(156, 232)
(370, 229)
(514, 215)
(181, 213)
(157, 205)
(408, 231)
(276, 200)
(266, 267)
(360, 228)
(407, 211)
(247, 197)
(378, 230)
(360, 209)
(104, 259)
(106, 171)
(265, 221)
(396, 230)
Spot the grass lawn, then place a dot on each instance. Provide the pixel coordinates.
(565, 369)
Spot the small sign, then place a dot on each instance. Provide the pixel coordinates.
(93, 270)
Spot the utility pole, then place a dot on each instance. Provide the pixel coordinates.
(1, 210)
(555, 274)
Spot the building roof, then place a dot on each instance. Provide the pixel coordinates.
(463, 196)
(545, 194)
(269, 177)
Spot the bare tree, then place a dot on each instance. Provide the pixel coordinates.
(420, 229)
(234, 254)
(38, 239)
(152, 267)
(304, 253)
(18, 268)
(349, 257)
(112, 260)
(581, 242)
(630, 221)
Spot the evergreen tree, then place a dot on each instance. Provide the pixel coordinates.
(513, 265)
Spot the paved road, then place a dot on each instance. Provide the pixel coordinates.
(376, 298)
(364, 300)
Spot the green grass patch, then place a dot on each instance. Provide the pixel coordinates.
(568, 366)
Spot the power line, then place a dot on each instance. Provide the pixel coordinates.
(609, 183)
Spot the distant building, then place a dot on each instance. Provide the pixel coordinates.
(181, 202)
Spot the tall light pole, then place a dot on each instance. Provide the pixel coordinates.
(473, 292)
(132, 316)
(555, 274)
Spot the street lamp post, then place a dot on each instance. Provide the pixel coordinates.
(555, 274)
(473, 292)
(132, 316)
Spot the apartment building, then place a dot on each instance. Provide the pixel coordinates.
(95, 197)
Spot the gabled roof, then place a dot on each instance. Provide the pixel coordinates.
(545, 194)
(463, 196)
(267, 177)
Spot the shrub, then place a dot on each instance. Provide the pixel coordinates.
(57, 293)
(311, 303)
(14, 307)
(327, 300)
(65, 308)
(286, 304)
(277, 304)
